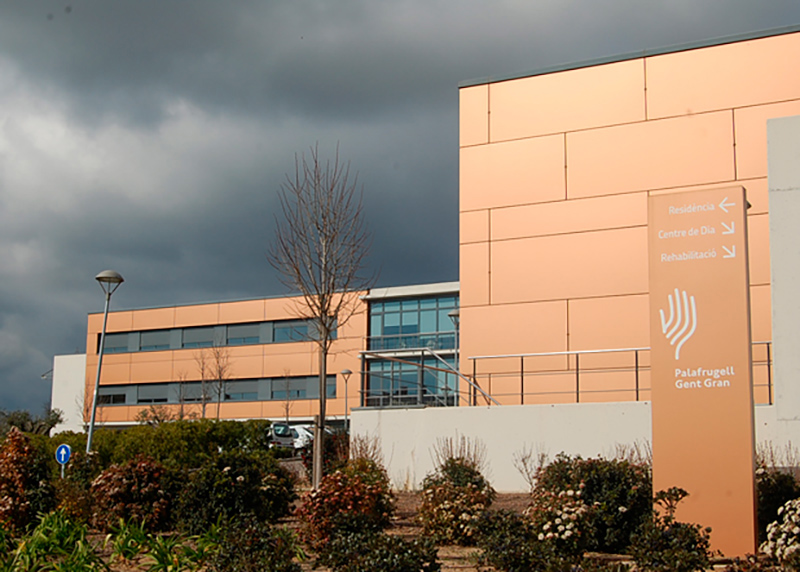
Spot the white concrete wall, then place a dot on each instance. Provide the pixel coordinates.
(408, 436)
(67, 390)
(783, 150)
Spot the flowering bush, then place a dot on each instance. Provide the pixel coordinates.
(562, 519)
(356, 498)
(783, 535)
(135, 490)
(25, 488)
(232, 486)
(775, 487)
(453, 498)
(615, 495)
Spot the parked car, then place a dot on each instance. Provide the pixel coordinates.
(304, 436)
(281, 436)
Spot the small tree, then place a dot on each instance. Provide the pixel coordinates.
(215, 368)
(319, 250)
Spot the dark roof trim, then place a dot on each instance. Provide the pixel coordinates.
(636, 55)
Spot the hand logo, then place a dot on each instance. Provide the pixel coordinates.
(682, 320)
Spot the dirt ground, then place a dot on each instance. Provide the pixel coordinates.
(451, 557)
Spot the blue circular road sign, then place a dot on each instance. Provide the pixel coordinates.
(63, 453)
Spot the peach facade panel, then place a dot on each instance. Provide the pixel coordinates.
(203, 315)
(568, 100)
(512, 173)
(111, 373)
(512, 329)
(751, 135)
(723, 77)
(474, 271)
(153, 319)
(608, 323)
(473, 105)
(157, 368)
(614, 211)
(653, 155)
(591, 264)
(473, 227)
(239, 312)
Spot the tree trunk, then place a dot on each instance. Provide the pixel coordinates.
(319, 430)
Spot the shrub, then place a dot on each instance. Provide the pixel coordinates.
(355, 498)
(25, 487)
(137, 490)
(617, 494)
(249, 545)
(666, 545)
(370, 551)
(783, 535)
(562, 520)
(234, 485)
(509, 542)
(453, 497)
(73, 492)
(774, 488)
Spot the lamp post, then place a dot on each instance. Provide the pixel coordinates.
(109, 281)
(455, 316)
(346, 373)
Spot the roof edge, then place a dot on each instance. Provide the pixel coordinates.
(685, 47)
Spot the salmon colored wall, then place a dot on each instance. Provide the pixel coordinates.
(555, 171)
(247, 362)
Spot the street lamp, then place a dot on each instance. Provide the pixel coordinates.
(455, 316)
(109, 281)
(346, 373)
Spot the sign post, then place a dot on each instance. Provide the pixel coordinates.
(63, 453)
(701, 362)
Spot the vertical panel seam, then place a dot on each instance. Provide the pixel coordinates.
(733, 138)
(644, 71)
(566, 179)
(489, 113)
(489, 257)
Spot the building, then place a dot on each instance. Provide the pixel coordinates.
(256, 359)
(552, 312)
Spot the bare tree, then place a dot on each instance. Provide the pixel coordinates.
(319, 251)
(214, 365)
(287, 405)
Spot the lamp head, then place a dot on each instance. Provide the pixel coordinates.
(109, 280)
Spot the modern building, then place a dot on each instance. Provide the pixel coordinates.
(257, 359)
(550, 317)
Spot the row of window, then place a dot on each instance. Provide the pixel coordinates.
(391, 383)
(268, 389)
(274, 332)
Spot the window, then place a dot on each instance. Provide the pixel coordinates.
(153, 393)
(111, 396)
(155, 340)
(243, 334)
(115, 343)
(290, 331)
(412, 323)
(198, 337)
(289, 388)
(246, 390)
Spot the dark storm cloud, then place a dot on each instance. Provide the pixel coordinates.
(150, 136)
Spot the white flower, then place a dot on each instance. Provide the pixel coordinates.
(623, 509)
(567, 534)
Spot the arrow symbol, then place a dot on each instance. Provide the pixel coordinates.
(725, 204)
(730, 252)
(729, 229)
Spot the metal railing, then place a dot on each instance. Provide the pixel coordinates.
(588, 375)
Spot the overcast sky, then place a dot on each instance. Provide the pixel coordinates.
(150, 136)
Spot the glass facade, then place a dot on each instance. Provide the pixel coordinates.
(413, 323)
(408, 331)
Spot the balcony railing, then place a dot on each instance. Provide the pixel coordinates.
(586, 376)
(435, 341)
